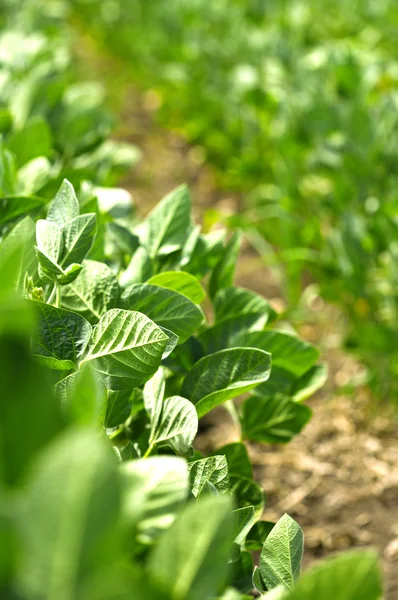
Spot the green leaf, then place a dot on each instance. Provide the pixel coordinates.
(126, 348)
(154, 490)
(61, 336)
(118, 407)
(225, 375)
(247, 493)
(165, 307)
(65, 205)
(93, 292)
(205, 255)
(14, 206)
(242, 572)
(273, 420)
(228, 333)
(244, 519)
(70, 274)
(282, 553)
(22, 236)
(78, 235)
(213, 469)
(258, 534)
(353, 575)
(34, 175)
(182, 282)
(33, 140)
(73, 495)
(166, 227)
(224, 271)
(49, 248)
(153, 394)
(139, 269)
(178, 425)
(234, 302)
(310, 382)
(258, 581)
(237, 459)
(190, 561)
(82, 397)
(288, 352)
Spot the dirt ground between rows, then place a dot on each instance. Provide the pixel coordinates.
(339, 478)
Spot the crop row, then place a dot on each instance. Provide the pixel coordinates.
(117, 335)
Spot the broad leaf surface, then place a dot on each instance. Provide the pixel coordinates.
(165, 229)
(61, 336)
(224, 271)
(153, 394)
(49, 248)
(353, 575)
(154, 489)
(177, 426)
(83, 397)
(65, 205)
(273, 420)
(78, 235)
(282, 553)
(194, 570)
(234, 302)
(247, 493)
(126, 348)
(237, 459)
(73, 495)
(288, 352)
(23, 237)
(225, 375)
(165, 307)
(182, 282)
(93, 292)
(213, 469)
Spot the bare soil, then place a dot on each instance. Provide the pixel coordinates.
(339, 478)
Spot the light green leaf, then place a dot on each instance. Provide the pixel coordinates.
(190, 561)
(65, 205)
(83, 397)
(213, 469)
(70, 274)
(93, 292)
(165, 307)
(182, 282)
(310, 382)
(34, 175)
(224, 271)
(206, 253)
(33, 140)
(73, 495)
(126, 348)
(78, 235)
(153, 394)
(22, 236)
(354, 575)
(61, 336)
(234, 302)
(225, 375)
(244, 519)
(273, 420)
(177, 426)
(49, 248)
(237, 459)
(288, 351)
(166, 227)
(154, 490)
(282, 553)
(139, 269)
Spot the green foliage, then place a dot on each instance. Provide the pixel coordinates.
(294, 103)
(106, 358)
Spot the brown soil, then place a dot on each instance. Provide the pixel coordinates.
(339, 478)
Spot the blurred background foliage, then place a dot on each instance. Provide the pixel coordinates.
(295, 103)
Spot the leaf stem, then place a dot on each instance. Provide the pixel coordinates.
(57, 295)
(233, 411)
(149, 451)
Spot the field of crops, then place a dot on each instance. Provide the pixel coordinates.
(160, 350)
